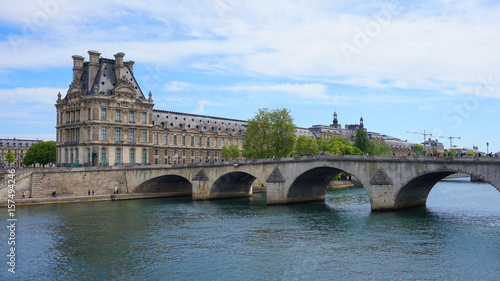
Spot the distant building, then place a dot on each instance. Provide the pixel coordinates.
(18, 146)
(460, 149)
(433, 146)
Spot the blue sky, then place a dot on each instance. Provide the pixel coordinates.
(431, 65)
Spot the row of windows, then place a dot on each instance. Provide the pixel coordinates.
(71, 156)
(72, 135)
(74, 116)
(118, 116)
(14, 144)
(199, 140)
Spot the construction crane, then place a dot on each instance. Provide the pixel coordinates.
(424, 133)
(451, 139)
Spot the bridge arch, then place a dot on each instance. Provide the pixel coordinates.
(311, 185)
(166, 183)
(232, 184)
(414, 192)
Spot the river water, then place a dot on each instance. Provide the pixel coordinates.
(456, 237)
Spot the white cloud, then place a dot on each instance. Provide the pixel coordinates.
(438, 45)
(178, 86)
(201, 107)
(42, 95)
(309, 91)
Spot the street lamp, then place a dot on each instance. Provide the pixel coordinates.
(487, 148)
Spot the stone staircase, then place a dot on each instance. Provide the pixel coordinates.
(36, 185)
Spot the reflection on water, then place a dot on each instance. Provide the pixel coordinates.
(456, 236)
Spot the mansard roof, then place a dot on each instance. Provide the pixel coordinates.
(106, 79)
(202, 123)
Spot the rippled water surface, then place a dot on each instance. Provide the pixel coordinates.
(457, 237)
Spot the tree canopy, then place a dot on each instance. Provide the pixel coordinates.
(42, 153)
(270, 133)
(338, 146)
(9, 157)
(419, 150)
(306, 146)
(379, 147)
(362, 142)
(231, 152)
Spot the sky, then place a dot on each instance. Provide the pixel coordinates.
(404, 66)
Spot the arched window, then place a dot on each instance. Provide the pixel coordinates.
(132, 156)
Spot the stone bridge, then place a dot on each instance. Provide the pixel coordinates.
(391, 182)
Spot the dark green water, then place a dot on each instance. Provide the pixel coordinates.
(456, 237)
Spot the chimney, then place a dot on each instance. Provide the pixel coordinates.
(119, 65)
(77, 67)
(93, 67)
(131, 66)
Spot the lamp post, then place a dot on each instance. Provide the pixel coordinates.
(487, 148)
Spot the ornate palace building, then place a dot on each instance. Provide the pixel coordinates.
(105, 119)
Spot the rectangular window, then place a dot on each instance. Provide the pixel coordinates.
(199, 143)
(144, 156)
(156, 138)
(144, 117)
(117, 115)
(103, 133)
(236, 142)
(89, 133)
(103, 114)
(89, 115)
(183, 140)
(165, 138)
(144, 135)
(222, 142)
(229, 142)
(118, 156)
(103, 103)
(117, 134)
(215, 141)
(131, 137)
(175, 139)
(132, 156)
(208, 141)
(192, 140)
(131, 117)
(103, 156)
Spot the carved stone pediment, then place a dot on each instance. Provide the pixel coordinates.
(124, 87)
(75, 88)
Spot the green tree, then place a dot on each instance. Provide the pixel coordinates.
(270, 133)
(42, 153)
(339, 146)
(10, 157)
(232, 152)
(419, 150)
(306, 146)
(379, 147)
(362, 142)
(470, 154)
